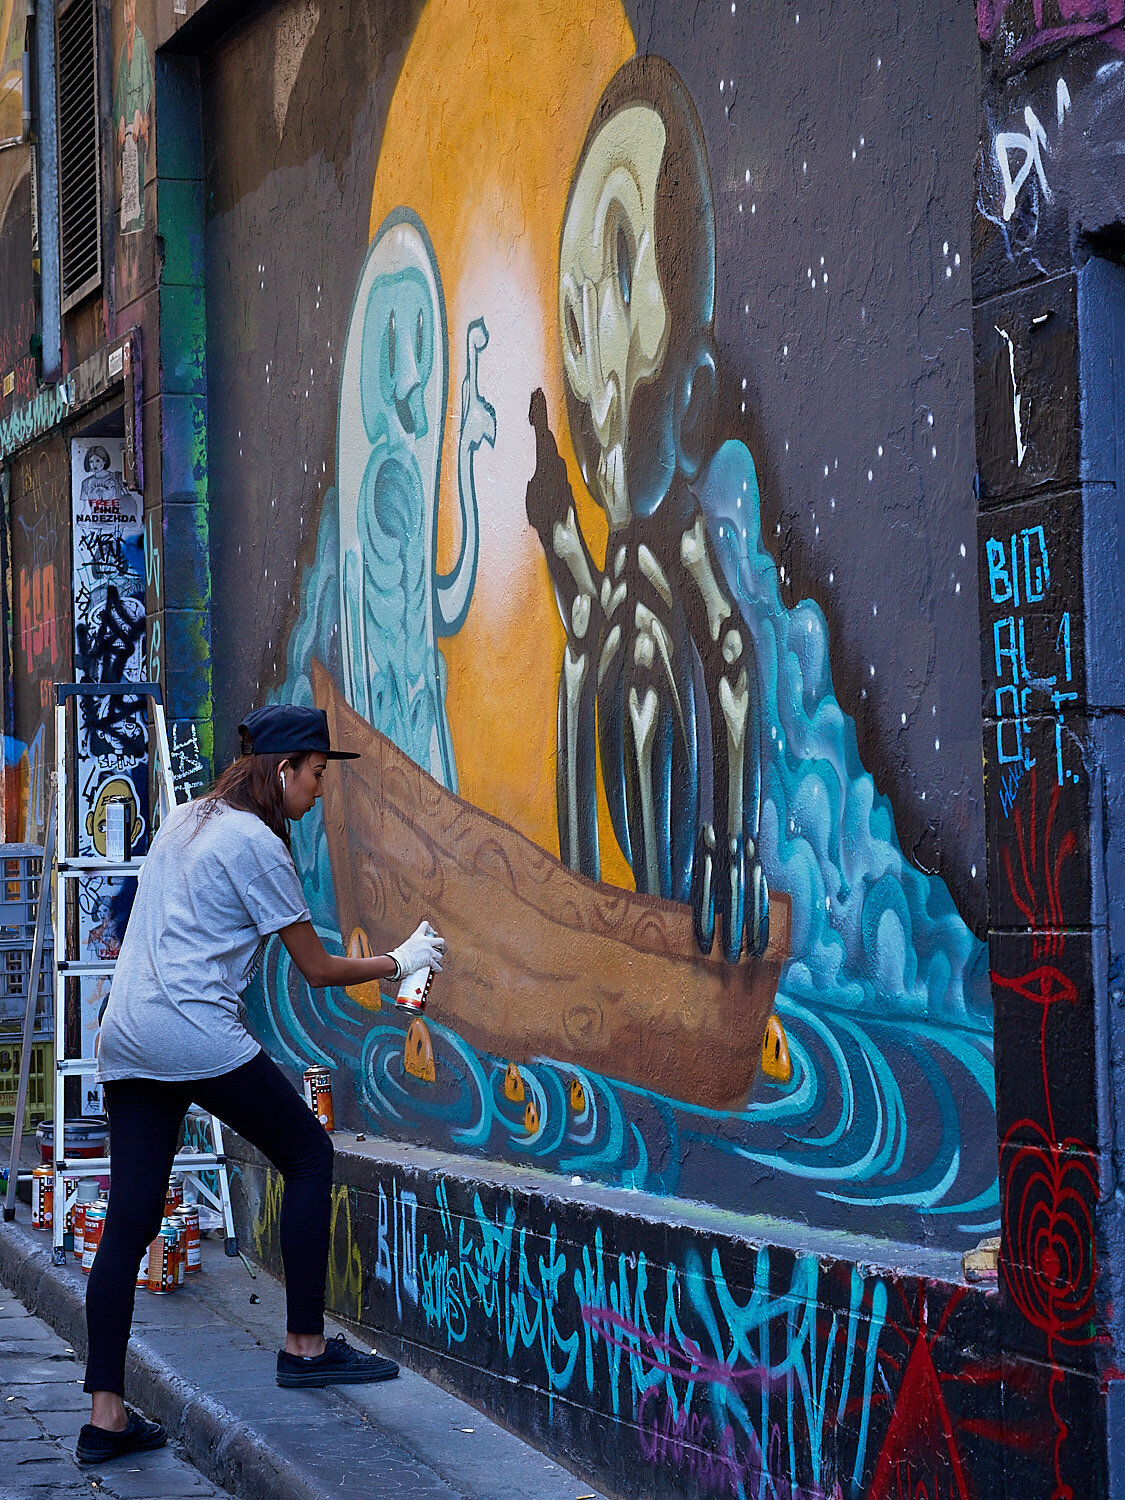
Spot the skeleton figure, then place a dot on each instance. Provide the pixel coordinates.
(656, 654)
(393, 602)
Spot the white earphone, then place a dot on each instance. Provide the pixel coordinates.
(282, 775)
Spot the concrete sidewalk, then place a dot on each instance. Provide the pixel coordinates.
(202, 1362)
(41, 1410)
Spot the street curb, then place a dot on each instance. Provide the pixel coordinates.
(220, 1445)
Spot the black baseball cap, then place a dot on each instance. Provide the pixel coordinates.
(289, 729)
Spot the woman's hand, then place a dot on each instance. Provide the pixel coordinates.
(423, 949)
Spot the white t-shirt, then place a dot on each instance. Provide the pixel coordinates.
(210, 891)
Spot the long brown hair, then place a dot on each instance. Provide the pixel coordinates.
(252, 784)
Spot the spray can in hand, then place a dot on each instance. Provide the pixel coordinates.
(414, 988)
(414, 985)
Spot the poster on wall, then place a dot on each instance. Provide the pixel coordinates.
(109, 629)
(12, 20)
(133, 98)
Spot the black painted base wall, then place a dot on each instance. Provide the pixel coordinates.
(666, 1358)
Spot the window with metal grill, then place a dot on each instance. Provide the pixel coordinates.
(80, 240)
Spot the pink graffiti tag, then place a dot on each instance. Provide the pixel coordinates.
(660, 1354)
(1077, 19)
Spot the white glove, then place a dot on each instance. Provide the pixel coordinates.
(423, 949)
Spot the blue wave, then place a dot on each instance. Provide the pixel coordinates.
(870, 1117)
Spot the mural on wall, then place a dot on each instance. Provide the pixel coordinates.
(133, 111)
(601, 750)
(109, 624)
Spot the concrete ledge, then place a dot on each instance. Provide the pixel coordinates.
(657, 1347)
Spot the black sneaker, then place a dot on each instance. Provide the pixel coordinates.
(139, 1435)
(340, 1364)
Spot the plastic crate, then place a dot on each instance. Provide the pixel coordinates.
(38, 1082)
(21, 870)
(15, 965)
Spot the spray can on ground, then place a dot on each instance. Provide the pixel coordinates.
(189, 1217)
(163, 1255)
(69, 1190)
(87, 1194)
(317, 1083)
(43, 1198)
(92, 1233)
(181, 1248)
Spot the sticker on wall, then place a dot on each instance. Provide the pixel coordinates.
(109, 627)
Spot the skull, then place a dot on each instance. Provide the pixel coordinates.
(612, 312)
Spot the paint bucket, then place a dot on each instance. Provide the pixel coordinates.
(92, 1233)
(43, 1198)
(82, 1139)
(189, 1218)
(318, 1095)
(414, 988)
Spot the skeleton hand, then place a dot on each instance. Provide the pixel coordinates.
(478, 418)
(453, 591)
(549, 495)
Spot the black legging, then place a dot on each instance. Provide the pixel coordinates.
(144, 1126)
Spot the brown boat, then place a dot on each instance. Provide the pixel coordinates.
(542, 963)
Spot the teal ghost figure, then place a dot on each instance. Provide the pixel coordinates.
(393, 389)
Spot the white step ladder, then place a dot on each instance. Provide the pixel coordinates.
(195, 1166)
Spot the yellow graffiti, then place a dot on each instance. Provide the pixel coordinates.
(344, 1287)
(367, 995)
(11, 72)
(344, 1282)
(267, 1219)
(513, 1084)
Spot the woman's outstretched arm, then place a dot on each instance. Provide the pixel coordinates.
(321, 969)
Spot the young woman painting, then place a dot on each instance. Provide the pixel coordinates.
(218, 880)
